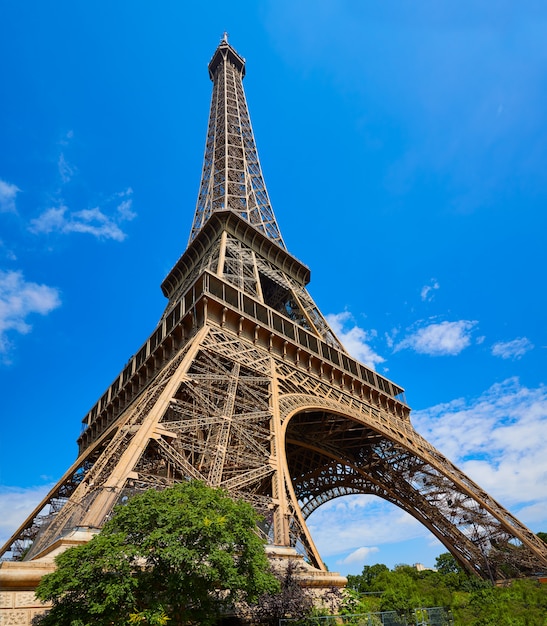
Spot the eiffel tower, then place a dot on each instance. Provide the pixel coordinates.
(243, 385)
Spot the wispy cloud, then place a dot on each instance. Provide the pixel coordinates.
(7, 251)
(19, 299)
(103, 221)
(426, 293)
(96, 221)
(66, 170)
(439, 339)
(360, 556)
(16, 503)
(65, 140)
(514, 349)
(8, 192)
(346, 525)
(499, 439)
(355, 339)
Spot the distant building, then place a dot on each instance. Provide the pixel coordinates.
(420, 567)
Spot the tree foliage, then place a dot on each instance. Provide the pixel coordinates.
(472, 601)
(365, 582)
(177, 556)
(445, 563)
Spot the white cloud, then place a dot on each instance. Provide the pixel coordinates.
(499, 439)
(7, 251)
(347, 524)
(18, 300)
(66, 170)
(94, 222)
(359, 556)
(50, 220)
(444, 338)
(514, 349)
(390, 337)
(356, 340)
(124, 193)
(427, 290)
(16, 503)
(65, 140)
(91, 221)
(534, 514)
(124, 210)
(7, 197)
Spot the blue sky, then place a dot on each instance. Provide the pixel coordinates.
(404, 146)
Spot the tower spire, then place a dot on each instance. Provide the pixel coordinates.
(232, 177)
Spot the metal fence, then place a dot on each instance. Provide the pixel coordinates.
(431, 616)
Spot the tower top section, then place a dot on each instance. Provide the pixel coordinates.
(226, 54)
(231, 177)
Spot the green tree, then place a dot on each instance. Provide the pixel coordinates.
(177, 556)
(471, 600)
(401, 590)
(445, 563)
(366, 581)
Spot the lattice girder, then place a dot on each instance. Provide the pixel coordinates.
(231, 176)
(322, 461)
(212, 415)
(251, 266)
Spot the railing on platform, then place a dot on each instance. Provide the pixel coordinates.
(430, 616)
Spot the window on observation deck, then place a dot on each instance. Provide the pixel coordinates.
(281, 299)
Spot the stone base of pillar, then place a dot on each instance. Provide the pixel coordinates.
(19, 579)
(324, 588)
(307, 575)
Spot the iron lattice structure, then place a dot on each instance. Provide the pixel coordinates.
(232, 177)
(243, 385)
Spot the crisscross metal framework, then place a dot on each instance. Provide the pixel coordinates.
(232, 177)
(243, 385)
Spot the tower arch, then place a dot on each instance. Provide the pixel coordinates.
(331, 453)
